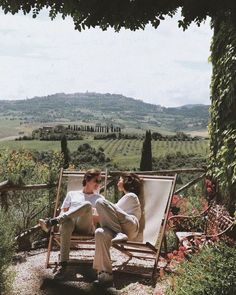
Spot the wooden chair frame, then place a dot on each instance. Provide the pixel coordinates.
(141, 250)
(147, 250)
(54, 234)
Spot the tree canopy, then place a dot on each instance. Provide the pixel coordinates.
(129, 14)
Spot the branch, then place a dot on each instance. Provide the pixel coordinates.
(12, 187)
(37, 213)
(183, 170)
(192, 182)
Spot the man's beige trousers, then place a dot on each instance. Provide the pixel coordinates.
(79, 220)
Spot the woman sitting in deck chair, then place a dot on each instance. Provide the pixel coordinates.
(119, 222)
(78, 214)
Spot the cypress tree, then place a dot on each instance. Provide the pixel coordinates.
(65, 151)
(146, 158)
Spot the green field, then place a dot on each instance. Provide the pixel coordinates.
(12, 127)
(9, 128)
(124, 152)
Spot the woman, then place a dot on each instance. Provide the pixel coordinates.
(119, 222)
(78, 214)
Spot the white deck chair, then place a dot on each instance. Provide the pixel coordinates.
(155, 200)
(73, 180)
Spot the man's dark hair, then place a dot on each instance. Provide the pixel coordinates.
(90, 174)
(132, 182)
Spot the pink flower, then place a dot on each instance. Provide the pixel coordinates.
(182, 248)
(209, 189)
(157, 292)
(175, 252)
(175, 199)
(208, 182)
(179, 258)
(170, 255)
(181, 254)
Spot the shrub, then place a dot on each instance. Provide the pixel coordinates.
(86, 156)
(6, 252)
(178, 160)
(212, 271)
(26, 167)
(171, 240)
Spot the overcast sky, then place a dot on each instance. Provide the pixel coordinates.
(165, 66)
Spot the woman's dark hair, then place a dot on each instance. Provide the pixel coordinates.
(90, 174)
(132, 182)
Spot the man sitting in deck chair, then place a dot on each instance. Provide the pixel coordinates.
(78, 214)
(119, 222)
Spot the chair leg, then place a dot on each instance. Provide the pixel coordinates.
(49, 251)
(165, 244)
(154, 273)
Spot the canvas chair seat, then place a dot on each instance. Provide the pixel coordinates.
(155, 203)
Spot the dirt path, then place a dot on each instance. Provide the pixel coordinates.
(32, 278)
(9, 138)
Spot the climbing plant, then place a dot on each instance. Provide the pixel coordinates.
(223, 108)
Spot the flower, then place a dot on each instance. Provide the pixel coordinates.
(182, 248)
(170, 255)
(175, 199)
(208, 182)
(175, 252)
(209, 189)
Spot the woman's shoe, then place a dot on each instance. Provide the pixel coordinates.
(120, 237)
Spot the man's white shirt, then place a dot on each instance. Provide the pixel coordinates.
(75, 198)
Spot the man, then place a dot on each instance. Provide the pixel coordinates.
(77, 214)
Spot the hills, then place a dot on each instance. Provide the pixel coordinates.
(92, 108)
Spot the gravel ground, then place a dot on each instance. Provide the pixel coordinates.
(32, 278)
